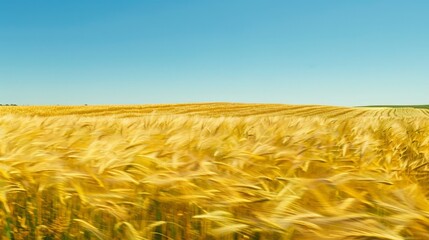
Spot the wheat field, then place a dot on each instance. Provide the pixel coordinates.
(214, 171)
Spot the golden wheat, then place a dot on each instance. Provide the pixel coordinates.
(189, 173)
(212, 110)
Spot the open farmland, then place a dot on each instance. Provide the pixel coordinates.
(215, 110)
(214, 171)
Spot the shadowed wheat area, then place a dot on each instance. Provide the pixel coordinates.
(214, 171)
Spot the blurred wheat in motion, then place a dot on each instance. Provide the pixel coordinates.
(214, 171)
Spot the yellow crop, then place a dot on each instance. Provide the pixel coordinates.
(213, 171)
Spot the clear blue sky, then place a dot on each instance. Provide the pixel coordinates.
(331, 52)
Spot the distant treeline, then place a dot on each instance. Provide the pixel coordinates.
(400, 106)
(8, 104)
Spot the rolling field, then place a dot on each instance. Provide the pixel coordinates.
(214, 171)
(217, 110)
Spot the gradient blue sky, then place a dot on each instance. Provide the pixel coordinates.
(331, 52)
